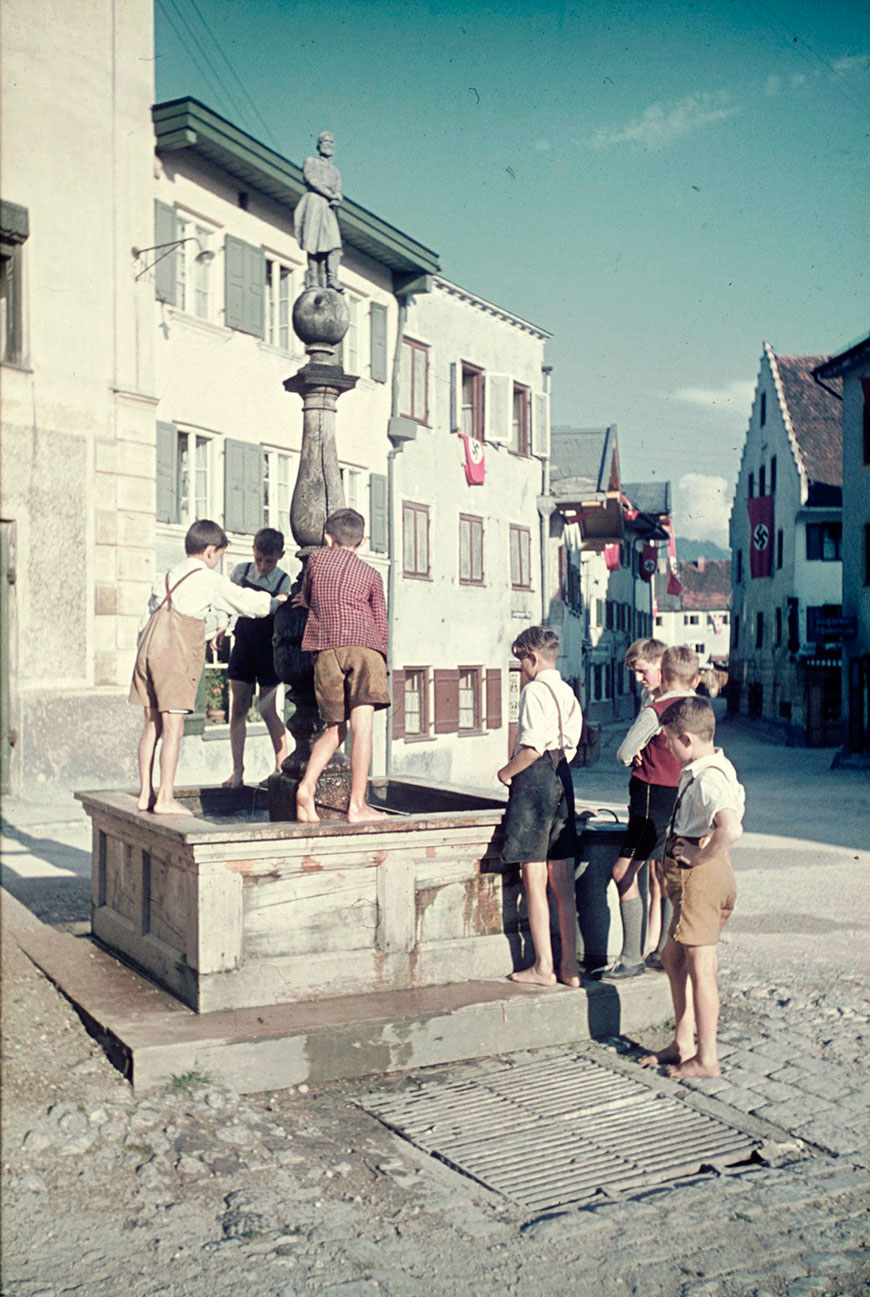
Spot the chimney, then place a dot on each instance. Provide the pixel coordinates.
(702, 563)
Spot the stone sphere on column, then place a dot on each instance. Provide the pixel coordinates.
(320, 317)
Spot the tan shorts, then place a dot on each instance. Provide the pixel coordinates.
(703, 899)
(169, 662)
(350, 677)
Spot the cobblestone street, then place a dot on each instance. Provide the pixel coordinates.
(194, 1190)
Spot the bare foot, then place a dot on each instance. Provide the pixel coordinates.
(365, 815)
(235, 780)
(569, 975)
(170, 807)
(693, 1067)
(145, 805)
(670, 1054)
(305, 809)
(531, 977)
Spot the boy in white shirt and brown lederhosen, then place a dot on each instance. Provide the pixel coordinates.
(700, 883)
(171, 653)
(539, 830)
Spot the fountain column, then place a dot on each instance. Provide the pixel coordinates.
(320, 320)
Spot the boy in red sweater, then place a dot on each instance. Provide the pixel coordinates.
(347, 629)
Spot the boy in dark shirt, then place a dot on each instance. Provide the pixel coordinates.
(347, 629)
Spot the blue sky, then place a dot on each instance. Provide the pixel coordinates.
(662, 186)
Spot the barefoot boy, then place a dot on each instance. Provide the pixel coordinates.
(347, 629)
(251, 663)
(700, 882)
(539, 821)
(652, 789)
(171, 654)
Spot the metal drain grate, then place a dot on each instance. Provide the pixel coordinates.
(560, 1130)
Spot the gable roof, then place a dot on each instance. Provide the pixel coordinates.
(583, 460)
(840, 364)
(649, 497)
(812, 416)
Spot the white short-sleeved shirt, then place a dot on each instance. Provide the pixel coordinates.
(707, 786)
(208, 595)
(538, 726)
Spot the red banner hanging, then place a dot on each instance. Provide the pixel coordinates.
(611, 557)
(475, 463)
(649, 561)
(760, 535)
(674, 584)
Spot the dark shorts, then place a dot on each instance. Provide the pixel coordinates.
(539, 820)
(251, 660)
(350, 677)
(650, 807)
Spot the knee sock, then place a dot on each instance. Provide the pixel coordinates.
(667, 915)
(632, 926)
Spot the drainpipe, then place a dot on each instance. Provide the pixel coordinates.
(545, 509)
(399, 431)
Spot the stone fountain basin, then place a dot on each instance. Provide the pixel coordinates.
(228, 910)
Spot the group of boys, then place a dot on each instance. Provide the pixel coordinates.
(685, 803)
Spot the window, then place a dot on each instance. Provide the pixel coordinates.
(350, 351)
(599, 613)
(867, 553)
(817, 613)
(824, 541)
(194, 477)
(762, 480)
(415, 539)
(739, 573)
(660, 621)
(778, 628)
(690, 619)
(598, 682)
(762, 419)
(192, 268)
(279, 297)
(352, 480)
(414, 381)
(469, 699)
(736, 632)
(608, 614)
(759, 630)
(700, 649)
(773, 475)
(14, 229)
(279, 479)
(779, 548)
(750, 489)
(470, 550)
(519, 442)
(471, 419)
(416, 701)
(521, 547)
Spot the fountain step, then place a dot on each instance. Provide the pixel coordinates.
(150, 1036)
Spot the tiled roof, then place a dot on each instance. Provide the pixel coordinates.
(706, 585)
(583, 456)
(816, 418)
(649, 497)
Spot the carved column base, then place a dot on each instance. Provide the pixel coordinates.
(331, 796)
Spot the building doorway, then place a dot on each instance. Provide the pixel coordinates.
(824, 705)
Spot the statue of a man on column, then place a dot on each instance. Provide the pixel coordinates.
(315, 221)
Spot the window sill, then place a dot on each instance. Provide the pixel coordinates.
(471, 734)
(419, 738)
(20, 366)
(198, 323)
(479, 585)
(416, 576)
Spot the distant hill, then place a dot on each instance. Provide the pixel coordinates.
(692, 549)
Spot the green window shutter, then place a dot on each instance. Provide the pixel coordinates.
(255, 290)
(378, 330)
(165, 231)
(234, 485)
(253, 489)
(167, 473)
(454, 398)
(378, 513)
(245, 287)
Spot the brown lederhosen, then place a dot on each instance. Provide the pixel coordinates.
(169, 658)
(703, 896)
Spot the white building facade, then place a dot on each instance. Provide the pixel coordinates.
(700, 615)
(786, 526)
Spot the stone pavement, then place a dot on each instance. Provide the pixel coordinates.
(195, 1190)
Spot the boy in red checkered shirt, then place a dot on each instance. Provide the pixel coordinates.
(347, 629)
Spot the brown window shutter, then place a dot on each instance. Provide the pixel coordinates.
(398, 678)
(493, 700)
(446, 702)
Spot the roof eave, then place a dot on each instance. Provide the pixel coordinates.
(186, 124)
